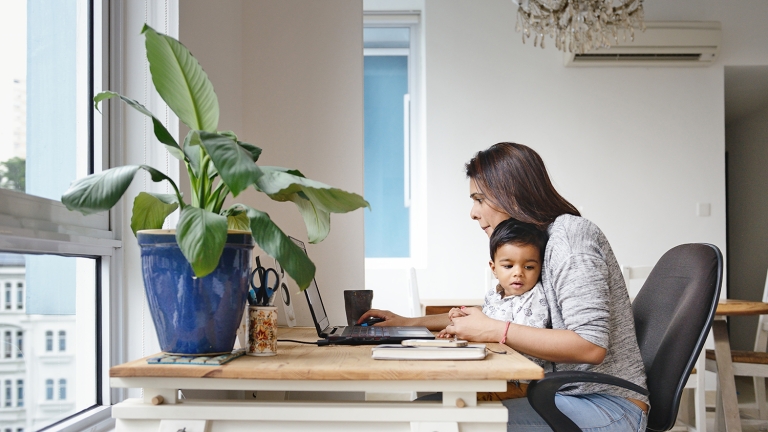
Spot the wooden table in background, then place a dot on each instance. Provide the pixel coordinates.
(727, 410)
(297, 368)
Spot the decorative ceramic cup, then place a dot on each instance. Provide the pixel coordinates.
(262, 331)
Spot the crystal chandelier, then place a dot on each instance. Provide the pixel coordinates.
(579, 25)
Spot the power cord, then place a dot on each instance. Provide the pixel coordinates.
(319, 342)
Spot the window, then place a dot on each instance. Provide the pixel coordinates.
(49, 389)
(395, 163)
(49, 340)
(8, 345)
(62, 389)
(20, 295)
(20, 393)
(7, 295)
(8, 393)
(62, 340)
(20, 344)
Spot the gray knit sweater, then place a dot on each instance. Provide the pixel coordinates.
(586, 293)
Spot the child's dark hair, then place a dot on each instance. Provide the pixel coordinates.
(512, 231)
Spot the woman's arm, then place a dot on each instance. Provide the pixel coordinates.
(560, 346)
(432, 322)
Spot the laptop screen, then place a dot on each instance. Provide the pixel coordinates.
(313, 298)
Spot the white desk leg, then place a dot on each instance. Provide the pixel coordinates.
(725, 379)
(434, 427)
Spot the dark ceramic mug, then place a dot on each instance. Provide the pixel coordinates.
(356, 303)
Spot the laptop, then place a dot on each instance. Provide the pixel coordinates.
(355, 335)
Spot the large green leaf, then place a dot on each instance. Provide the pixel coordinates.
(161, 132)
(315, 201)
(280, 183)
(318, 221)
(274, 242)
(238, 221)
(252, 149)
(151, 209)
(192, 150)
(233, 163)
(181, 81)
(99, 192)
(201, 236)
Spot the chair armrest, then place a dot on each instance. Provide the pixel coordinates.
(541, 394)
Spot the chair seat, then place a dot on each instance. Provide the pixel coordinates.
(752, 357)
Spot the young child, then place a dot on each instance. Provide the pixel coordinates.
(517, 252)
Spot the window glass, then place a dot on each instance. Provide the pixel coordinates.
(43, 73)
(387, 230)
(20, 344)
(50, 366)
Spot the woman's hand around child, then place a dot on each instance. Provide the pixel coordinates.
(475, 326)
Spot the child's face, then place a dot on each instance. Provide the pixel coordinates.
(517, 267)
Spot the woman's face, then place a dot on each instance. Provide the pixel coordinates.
(483, 211)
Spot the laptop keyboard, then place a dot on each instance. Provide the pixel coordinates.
(373, 333)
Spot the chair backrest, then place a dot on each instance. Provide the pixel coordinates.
(413, 294)
(673, 315)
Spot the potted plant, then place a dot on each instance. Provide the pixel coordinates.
(196, 288)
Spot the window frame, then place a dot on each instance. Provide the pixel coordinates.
(34, 225)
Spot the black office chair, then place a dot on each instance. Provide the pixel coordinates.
(673, 315)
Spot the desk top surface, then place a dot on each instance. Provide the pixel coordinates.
(341, 362)
(741, 307)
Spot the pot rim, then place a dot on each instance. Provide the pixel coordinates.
(173, 231)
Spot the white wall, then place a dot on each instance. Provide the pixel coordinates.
(634, 148)
(289, 77)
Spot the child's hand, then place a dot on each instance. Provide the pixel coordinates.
(456, 312)
(444, 334)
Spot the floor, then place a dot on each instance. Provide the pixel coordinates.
(749, 420)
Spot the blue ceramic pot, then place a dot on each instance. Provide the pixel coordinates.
(195, 315)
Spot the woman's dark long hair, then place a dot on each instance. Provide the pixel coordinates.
(513, 177)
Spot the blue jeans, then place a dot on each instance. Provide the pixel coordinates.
(592, 413)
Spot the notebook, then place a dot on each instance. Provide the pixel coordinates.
(401, 352)
(355, 335)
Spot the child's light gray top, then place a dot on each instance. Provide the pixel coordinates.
(529, 309)
(586, 293)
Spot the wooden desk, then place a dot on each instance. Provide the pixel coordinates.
(727, 409)
(320, 369)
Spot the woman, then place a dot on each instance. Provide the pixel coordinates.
(593, 328)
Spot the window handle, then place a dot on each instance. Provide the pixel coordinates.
(407, 150)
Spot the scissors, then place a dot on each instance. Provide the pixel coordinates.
(264, 287)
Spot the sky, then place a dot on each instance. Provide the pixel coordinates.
(14, 66)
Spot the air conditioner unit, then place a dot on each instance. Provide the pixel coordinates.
(661, 44)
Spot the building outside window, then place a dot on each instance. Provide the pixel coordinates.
(7, 295)
(20, 295)
(8, 394)
(7, 345)
(62, 389)
(62, 340)
(20, 393)
(20, 344)
(49, 389)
